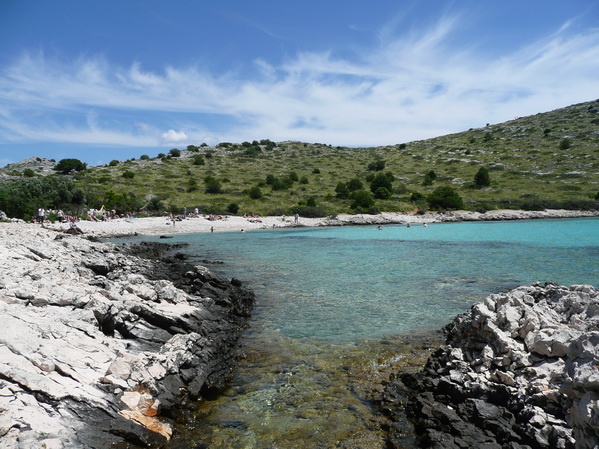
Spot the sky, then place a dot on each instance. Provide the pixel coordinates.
(98, 80)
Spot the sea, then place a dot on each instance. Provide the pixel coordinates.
(338, 306)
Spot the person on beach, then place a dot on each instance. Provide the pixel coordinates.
(41, 215)
(296, 218)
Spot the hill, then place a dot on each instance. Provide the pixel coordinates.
(546, 160)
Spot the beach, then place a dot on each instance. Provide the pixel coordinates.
(165, 225)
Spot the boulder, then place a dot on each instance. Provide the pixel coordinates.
(518, 370)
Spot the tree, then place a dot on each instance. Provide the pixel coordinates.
(65, 166)
(445, 197)
(341, 190)
(482, 178)
(354, 184)
(175, 152)
(362, 200)
(233, 208)
(255, 193)
(213, 185)
(381, 185)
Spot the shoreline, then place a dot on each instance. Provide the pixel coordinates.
(163, 225)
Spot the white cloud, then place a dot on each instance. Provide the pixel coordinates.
(172, 137)
(408, 87)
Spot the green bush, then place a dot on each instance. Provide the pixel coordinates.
(175, 152)
(128, 174)
(376, 165)
(445, 197)
(255, 193)
(565, 144)
(213, 185)
(311, 202)
(354, 184)
(482, 178)
(380, 184)
(361, 199)
(342, 190)
(233, 208)
(155, 205)
(113, 163)
(28, 173)
(199, 160)
(66, 166)
(144, 157)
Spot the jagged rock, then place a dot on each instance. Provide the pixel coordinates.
(99, 346)
(518, 370)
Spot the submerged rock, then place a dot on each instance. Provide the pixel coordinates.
(519, 370)
(99, 347)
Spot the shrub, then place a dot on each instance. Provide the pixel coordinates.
(565, 144)
(213, 185)
(382, 193)
(175, 152)
(482, 178)
(128, 174)
(233, 208)
(28, 173)
(445, 197)
(416, 196)
(376, 165)
(304, 180)
(316, 171)
(361, 199)
(341, 190)
(65, 166)
(354, 184)
(381, 181)
(113, 163)
(311, 202)
(192, 148)
(155, 205)
(255, 193)
(199, 160)
(293, 176)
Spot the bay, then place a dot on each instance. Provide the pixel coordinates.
(334, 307)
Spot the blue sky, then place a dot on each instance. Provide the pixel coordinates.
(99, 80)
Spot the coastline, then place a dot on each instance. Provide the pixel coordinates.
(163, 225)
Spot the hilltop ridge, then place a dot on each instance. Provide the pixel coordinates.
(547, 160)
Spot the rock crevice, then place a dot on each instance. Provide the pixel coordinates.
(100, 346)
(519, 370)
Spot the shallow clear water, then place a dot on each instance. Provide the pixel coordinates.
(325, 297)
(346, 284)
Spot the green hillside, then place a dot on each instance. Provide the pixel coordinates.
(549, 160)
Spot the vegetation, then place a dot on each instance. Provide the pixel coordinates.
(548, 160)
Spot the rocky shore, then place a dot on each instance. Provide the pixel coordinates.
(519, 370)
(101, 345)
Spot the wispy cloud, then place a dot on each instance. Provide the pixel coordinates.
(409, 87)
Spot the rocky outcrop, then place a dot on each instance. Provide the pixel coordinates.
(519, 370)
(100, 347)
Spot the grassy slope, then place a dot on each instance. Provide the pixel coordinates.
(523, 156)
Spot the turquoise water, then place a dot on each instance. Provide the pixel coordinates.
(334, 308)
(344, 284)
